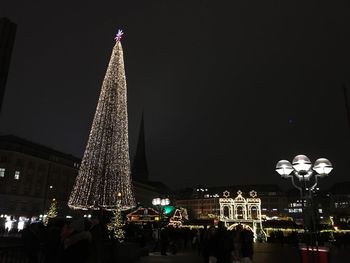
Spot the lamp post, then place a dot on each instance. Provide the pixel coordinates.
(202, 191)
(306, 175)
(159, 203)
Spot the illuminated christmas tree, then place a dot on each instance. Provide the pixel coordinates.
(52, 211)
(105, 168)
(117, 223)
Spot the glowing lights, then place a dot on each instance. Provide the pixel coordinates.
(241, 210)
(52, 212)
(8, 225)
(116, 225)
(284, 168)
(303, 168)
(105, 168)
(161, 202)
(301, 163)
(20, 225)
(323, 167)
(17, 173)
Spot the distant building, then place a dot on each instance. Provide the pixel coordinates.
(340, 202)
(31, 175)
(7, 39)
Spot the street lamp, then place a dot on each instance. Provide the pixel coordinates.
(302, 169)
(305, 172)
(160, 202)
(202, 191)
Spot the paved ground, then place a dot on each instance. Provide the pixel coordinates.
(188, 256)
(264, 253)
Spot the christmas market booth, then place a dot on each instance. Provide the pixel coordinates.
(143, 215)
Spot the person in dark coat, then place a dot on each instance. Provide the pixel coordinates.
(164, 241)
(31, 241)
(247, 243)
(77, 244)
(223, 244)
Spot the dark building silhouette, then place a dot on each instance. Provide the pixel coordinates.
(139, 170)
(7, 39)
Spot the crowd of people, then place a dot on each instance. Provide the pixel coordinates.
(218, 245)
(63, 241)
(88, 240)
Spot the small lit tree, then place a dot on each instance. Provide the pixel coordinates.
(52, 211)
(117, 223)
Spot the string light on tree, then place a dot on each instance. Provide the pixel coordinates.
(105, 168)
(52, 211)
(117, 223)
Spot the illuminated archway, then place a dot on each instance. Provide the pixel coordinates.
(240, 210)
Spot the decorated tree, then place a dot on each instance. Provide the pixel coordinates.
(52, 213)
(105, 168)
(117, 223)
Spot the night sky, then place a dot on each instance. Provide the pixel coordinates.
(228, 88)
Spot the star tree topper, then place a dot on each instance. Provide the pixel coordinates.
(119, 35)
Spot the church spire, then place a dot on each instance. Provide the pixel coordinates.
(139, 170)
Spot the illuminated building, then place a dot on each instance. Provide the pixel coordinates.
(339, 195)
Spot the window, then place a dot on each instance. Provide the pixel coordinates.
(2, 172)
(17, 175)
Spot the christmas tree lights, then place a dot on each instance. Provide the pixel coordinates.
(52, 212)
(117, 223)
(105, 168)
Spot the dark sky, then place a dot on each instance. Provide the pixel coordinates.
(228, 88)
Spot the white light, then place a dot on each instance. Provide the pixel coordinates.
(156, 201)
(284, 168)
(301, 163)
(89, 216)
(17, 173)
(68, 216)
(8, 225)
(51, 186)
(20, 225)
(41, 216)
(323, 167)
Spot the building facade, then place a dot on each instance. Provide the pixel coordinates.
(31, 175)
